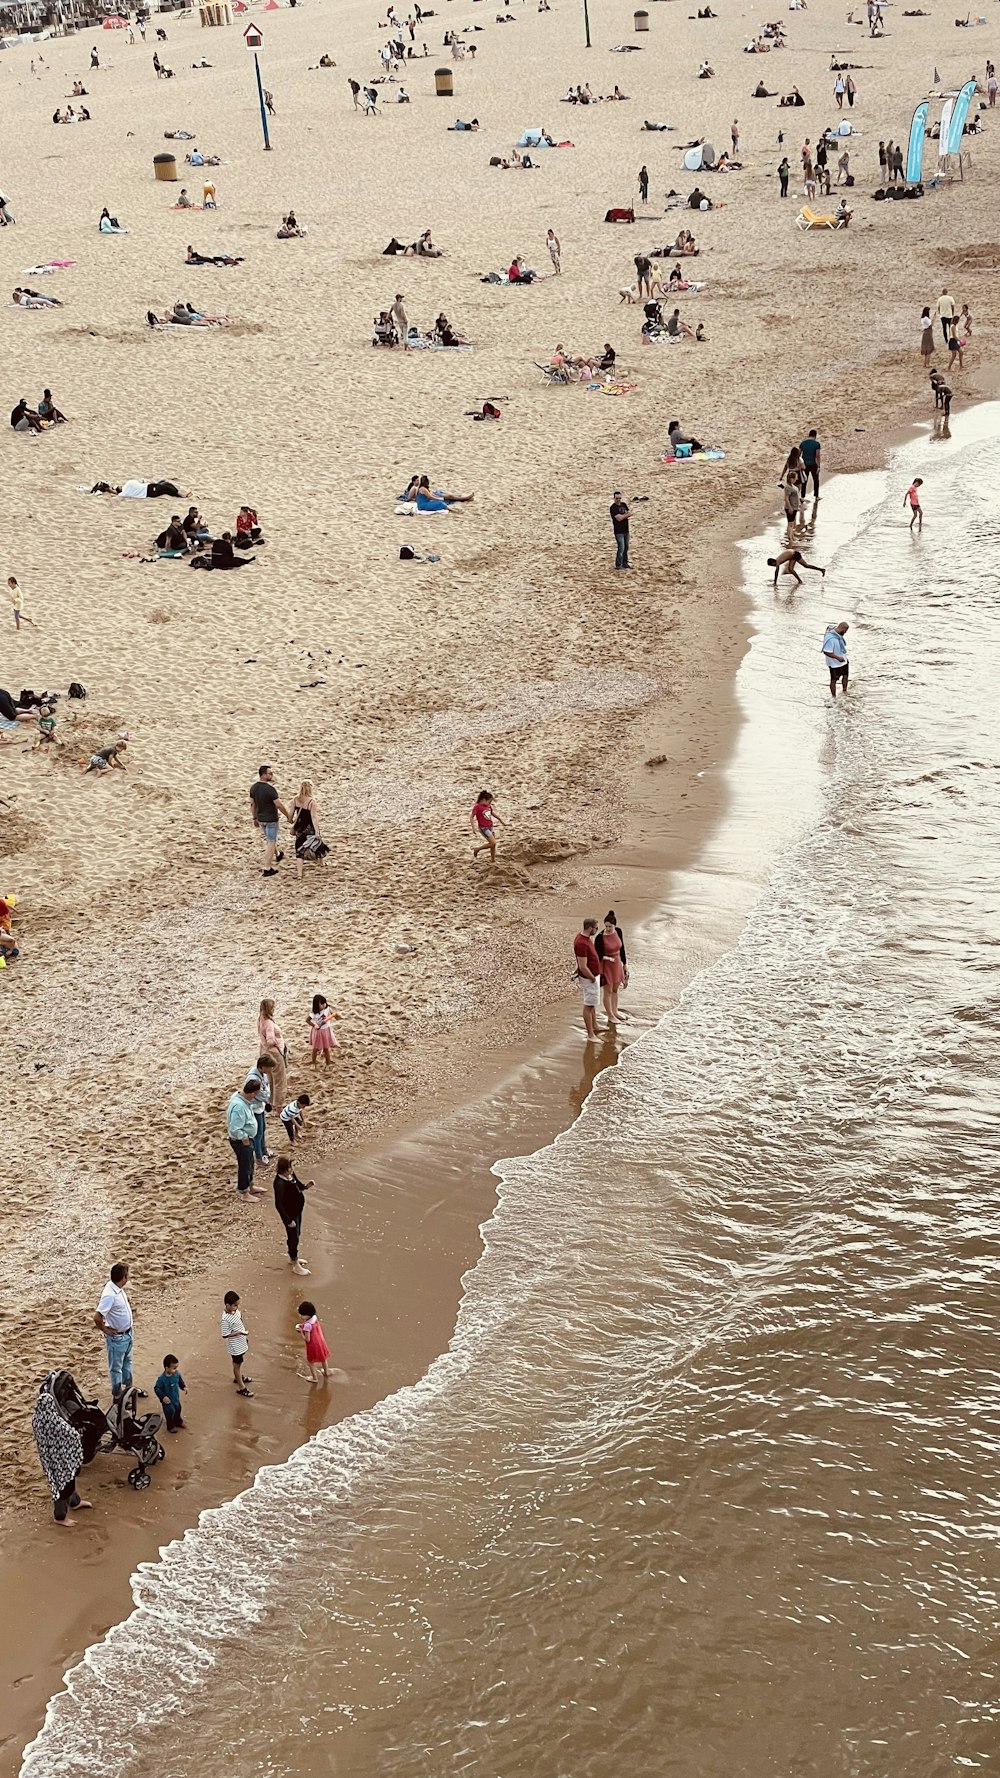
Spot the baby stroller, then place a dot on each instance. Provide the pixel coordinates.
(122, 1427)
(383, 331)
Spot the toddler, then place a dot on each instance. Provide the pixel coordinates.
(167, 1390)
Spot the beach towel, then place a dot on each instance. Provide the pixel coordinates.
(405, 509)
(611, 388)
(709, 456)
(48, 265)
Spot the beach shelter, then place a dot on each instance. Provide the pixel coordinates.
(271, 6)
(114, 24)
(702, 155)
(531, 138)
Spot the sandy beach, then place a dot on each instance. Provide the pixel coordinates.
(147, 934)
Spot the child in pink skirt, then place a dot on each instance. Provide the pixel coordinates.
(317, 1350)
(320, 1022)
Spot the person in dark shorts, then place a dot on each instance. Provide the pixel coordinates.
(789, 561)
(835, 655)
(809, 455)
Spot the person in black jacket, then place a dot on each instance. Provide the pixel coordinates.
(290, 1201)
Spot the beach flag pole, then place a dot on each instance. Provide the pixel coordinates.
(586, 22)
(260, 96)
(253, 37)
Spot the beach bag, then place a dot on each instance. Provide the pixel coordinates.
(682, 450)
(849, 179)
(313, 848)
(406, 553)
(77, 690)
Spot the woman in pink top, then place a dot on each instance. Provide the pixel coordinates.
(272, 1044)
(614, 964)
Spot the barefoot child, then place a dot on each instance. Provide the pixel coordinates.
(317, 1350)
(483, 820)
(320, 1021)
(235, 1335)
(913, 496)
(292, 1116)
(17, 601)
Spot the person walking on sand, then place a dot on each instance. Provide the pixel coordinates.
(643, 184)
(783, 172)
(809, 456)
(588, 974)
(17, 602)
(233, 1330)
(734, 137)
(946, 313)
(114, 1318)
(322, 1041)
(913, 496)
(355, 93)
(317, 1350)
(289, 1201)
(835, 655)
(266, 806)
(554, 246)
(926, 326)
(400, 322)
(788, 561)
(241, 1128)
(610, 948)
(60, 1453)
(483, 820)
(305, 825)
(619, 526)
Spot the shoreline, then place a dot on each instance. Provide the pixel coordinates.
(392, 1262)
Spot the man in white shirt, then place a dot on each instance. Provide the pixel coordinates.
(946, 313)
(114, 1318)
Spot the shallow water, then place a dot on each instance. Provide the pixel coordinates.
(707, 1482)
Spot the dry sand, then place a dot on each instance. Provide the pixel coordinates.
(148, 936)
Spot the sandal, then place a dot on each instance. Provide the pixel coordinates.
(245, 1391)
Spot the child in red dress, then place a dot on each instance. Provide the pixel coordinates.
(317, 1350)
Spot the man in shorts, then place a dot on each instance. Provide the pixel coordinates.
(267, 806)
(588, 972)
(835, 655)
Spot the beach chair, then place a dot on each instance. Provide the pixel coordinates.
(553, 373)
(807, 218)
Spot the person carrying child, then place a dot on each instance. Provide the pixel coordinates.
(167, 1390)
(289, 1201)
(317, 1350)
(235, 1335)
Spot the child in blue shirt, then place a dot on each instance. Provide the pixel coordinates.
(167, 1389)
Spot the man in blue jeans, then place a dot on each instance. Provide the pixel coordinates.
(809, 451)
(241, 1126)
(619, 524)
(114, 1318)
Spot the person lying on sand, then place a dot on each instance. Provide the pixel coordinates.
(34, 299)
(193, 258)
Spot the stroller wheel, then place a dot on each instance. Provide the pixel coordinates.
(138, 1478)
(150, 1452)
(160, 1453)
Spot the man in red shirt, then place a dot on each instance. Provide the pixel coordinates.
(588, 970)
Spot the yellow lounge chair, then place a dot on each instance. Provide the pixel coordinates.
(807, 218)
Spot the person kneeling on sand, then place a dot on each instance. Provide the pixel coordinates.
(107, 757)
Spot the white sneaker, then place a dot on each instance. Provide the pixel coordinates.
(299, 1268)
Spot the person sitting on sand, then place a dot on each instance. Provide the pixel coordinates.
(224, 555)
(517, 272)
(248, 531)
(24, 419)
(110, 225)
(424, 247)
(290, 230)
(195, 526)
(447, 335)
(48, 410)
(700, 334)
(326, 61)
(174, 539)
(193, 258)
(677, 437)
(705, 72)
(678, 329)
(184, 202)
(618, 94)
(438, 500)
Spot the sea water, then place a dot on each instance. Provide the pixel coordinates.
(707, 1482)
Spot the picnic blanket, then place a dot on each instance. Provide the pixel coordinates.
(708, 456)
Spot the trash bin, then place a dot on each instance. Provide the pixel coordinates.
(642, 21)
(165, 166)
(444, 82)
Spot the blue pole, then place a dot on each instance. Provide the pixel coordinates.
(260, 95)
